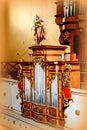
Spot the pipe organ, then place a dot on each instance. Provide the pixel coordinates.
(65, 8)
(42, 84)
(71, 17)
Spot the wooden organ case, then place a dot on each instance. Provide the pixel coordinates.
(42, 92)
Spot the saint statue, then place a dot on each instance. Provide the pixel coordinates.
(39, 31)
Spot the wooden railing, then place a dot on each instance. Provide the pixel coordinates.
(8, 69)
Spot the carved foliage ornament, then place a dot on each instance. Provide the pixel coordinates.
(66, 84)
(39, 60)
(66, 75)
(65, 38)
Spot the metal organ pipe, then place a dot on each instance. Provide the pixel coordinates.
(69, 7)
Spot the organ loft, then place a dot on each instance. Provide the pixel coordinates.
(71, 18)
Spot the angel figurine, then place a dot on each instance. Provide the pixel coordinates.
(39, 31)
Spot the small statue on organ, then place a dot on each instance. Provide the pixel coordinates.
(39, 31)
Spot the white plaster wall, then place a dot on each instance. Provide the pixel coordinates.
(8, 94)
(2, 29)
(20, 34)
(77, 121)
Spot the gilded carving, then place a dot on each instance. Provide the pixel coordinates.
(38, 117)
(66, 85)
(60, 98)
(39, 60)
(38, 108)
(65, 38)
(52, 112)
(66, 75)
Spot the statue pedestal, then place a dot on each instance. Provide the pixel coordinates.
(48, 52)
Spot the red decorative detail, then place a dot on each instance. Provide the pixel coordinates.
(67, 92)
(20, 84)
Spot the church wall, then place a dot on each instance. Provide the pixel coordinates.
(2, 29)
(20, 19)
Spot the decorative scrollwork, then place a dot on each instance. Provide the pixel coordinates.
(39, 60)
(66, 85)
(19, 71)
(66, 75)
(51, 78)
(65, 38)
